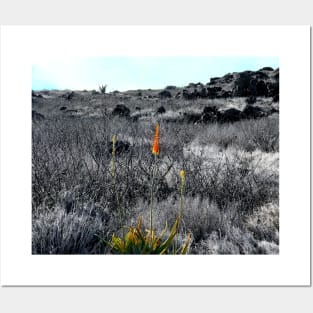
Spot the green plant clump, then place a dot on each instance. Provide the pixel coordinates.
(139, 241)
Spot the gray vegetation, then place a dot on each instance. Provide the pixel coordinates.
(225, 135)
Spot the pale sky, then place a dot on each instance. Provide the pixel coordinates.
(126, 73)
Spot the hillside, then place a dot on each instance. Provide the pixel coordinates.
(234, 90)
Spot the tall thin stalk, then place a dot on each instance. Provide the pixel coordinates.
(114, 172)
(182, 188)
(113, 159)
(152, 193)
(155, 152)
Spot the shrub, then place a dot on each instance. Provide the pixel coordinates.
(56, 232)
(264, 224)
(201, 218)
(102, 89)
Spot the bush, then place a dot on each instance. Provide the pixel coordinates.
(57, 232)
(264, 224)
(102, 89)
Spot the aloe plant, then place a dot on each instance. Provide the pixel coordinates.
(140, 241)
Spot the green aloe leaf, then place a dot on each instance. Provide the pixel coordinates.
(186, 245)
(163, 248)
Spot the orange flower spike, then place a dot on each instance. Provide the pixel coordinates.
(156, 141)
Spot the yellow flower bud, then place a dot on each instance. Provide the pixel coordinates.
(182, 175)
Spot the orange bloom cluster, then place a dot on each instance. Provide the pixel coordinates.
(156, 141)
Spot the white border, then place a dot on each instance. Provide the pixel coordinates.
(22, 46)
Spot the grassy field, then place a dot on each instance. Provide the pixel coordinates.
(230, 201)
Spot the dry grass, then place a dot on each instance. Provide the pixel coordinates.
(232, 179)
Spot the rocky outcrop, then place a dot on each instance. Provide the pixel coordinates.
(165, 94)
(161, 110)
(229, 116)
(211, 114)
(69, 95)
(121, 110)
(261, 83)
(253, 112)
